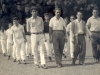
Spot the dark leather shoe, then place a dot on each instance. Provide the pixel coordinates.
(24, 62)
(8, 57)
(14, 60)
(64, 55)
(73, 61)
(50, 59)
(19, 62)
(27, 57)
(4, 54)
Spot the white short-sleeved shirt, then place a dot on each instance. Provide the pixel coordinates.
(68, 27)
(3, 35)
(56, 24)
(35, 25)
(9, 35)
(78, 27)
(17, 31)
(93, 23)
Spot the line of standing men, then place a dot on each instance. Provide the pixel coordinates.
(57, 35)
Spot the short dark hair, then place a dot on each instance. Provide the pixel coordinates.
(46, 14)
(34, 8)
(2, 26)
(72, 16)
(96, 8)
(57, 8)
(15, 18)
(79, 12)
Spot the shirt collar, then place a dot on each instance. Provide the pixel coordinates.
(94, 17)
(78, 21)
(34, 18)
(56, 18)
(16, 26)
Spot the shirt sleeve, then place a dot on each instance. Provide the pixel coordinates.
(23, 29)
(72, 31)
(88, 24)
(27, 25)
(51, 23)
(12, 30)
(67, 28)
(6, 32)
(42, 23)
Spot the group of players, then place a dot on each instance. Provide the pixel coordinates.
(40, 36)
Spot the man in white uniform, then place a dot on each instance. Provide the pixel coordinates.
(14, 51)
(35, 27)
(3, 40)
(9, 41)
(69, 34)
(19, 40)
(28, 44)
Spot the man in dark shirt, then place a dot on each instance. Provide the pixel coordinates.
(46, 33)
(20, 14)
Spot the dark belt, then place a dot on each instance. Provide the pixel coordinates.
(37, 33)
(57, 30)
(95, 31)
(81, 34)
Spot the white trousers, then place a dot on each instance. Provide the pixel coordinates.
(20, 49)
(14, 52)
(0, 47)
(28, 45)
(37, 40)
(71, 49)
(3, 46)
(48, 45)
(9, 47)
(69, 46)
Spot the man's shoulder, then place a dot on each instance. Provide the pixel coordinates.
(52, 18)
(7, 30)
(40, 18)
(29, 18)
(74, 21)
(12, 27)
(21, 26)
(91, 18)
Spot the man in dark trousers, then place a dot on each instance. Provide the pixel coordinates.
(57, 35)
(78, 29)
(93, 27)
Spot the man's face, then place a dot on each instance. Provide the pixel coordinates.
(72, 18)
(2, 28)
(10, 25)
(34, 12)
(95, 13)
(27, 9)
(15, 22)
(66, 20)
(19, 7)
(0, 11)
(57, 12)
(3, 6)
(79, 15)
(46, 17)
